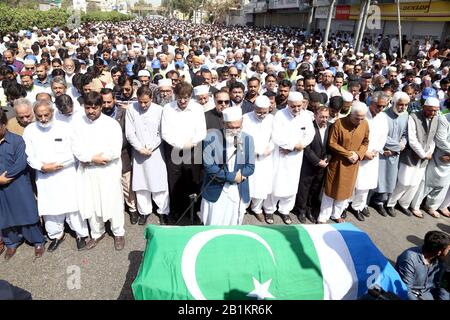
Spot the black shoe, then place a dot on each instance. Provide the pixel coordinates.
(301, 217)
(134, 217)
(403, 210)
(380, 209)
(55, 244)
(390, 211)
(142, 219)
(164, 220)
(358, 214)
(310, 217)
(344, 214)
(365, 212)
(81, 243)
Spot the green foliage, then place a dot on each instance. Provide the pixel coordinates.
(15, 19)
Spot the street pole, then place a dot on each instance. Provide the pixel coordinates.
(363, 27)
(362, 9)
(310, 19)
(399, 28)
(330, 16)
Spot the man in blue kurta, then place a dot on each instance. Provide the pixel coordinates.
(19, 218)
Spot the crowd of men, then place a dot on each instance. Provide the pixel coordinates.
(219, 120)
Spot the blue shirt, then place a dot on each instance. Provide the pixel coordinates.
(423, 280)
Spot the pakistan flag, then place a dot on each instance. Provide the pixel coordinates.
(262, 262)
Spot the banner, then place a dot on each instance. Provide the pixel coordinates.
(329, 261)
(432, 11)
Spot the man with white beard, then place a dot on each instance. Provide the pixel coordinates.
(367, 178)
(164, 94)
(201, 94)
(388, 162)
(98, 146)
(258, 124)
(143, 131)
(228, 161)
(422, 127)
(293, 130)
(49, 152)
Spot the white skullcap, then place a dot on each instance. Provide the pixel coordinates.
(392, 69)
(262, 102)
(29, 62)
(203, 89)
(256, 59)
(52, 48)
(220, 57)
(347, 96)
(165, 83)
(143, 73)
(328, 71)
(232, 114)
(432, 102)
(6, 39)
(295, 96)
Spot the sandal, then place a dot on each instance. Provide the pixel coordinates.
(269, 218)
(286, 219)
(417, 213)
(445, 212)
(433, 213)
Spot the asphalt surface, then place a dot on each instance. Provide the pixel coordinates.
(103, 273)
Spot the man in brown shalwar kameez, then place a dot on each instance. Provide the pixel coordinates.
(348, 141)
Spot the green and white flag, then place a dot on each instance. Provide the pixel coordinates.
(300, 262)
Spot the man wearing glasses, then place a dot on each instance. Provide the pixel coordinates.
(214, 117)
(367, 178)
(183, 128)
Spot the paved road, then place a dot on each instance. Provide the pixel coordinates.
(108, 274)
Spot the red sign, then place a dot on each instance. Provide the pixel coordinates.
(342, 12)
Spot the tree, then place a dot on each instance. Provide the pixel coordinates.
(219, 9)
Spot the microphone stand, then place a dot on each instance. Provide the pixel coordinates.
(194, 197)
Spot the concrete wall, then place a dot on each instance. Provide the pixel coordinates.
(293, 19)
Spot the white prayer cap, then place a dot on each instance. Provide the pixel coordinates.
(52, 48)
(347, 96)
(432, 102)
(262, 102)
(359, 54)
(295, 96)
(256, 59)
(220, 57)
(392, 69)
(143, 73)
(165, 83)
(82, 40)
(203, 89)
(232, 114)
(328, 71)
(6, 39)
(29, 62)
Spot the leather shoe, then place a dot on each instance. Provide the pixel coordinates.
(39, 250)
(93, 242)
(365, 212)
(358, 214)
(55, 244)
(10, 252)
(119, 242)
(390, 211)
(142, 219)
(134, 217)
(301, 217)
(380, 209)
(81, 243)
(310, 217)
(2, 247)
(403, 210)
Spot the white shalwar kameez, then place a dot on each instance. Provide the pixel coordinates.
(57, 201)
(100, 197)
(260, 182)
(287, 132)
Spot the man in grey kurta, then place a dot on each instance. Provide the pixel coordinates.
(143, 131)
(395, 143)
(437, 177)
